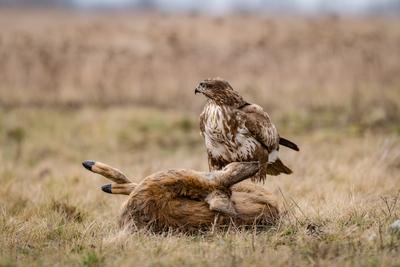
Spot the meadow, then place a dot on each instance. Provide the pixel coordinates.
(119, 88)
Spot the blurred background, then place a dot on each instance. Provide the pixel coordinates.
(152, 53)
(226, 6)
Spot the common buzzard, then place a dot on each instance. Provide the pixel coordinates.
(236, 130)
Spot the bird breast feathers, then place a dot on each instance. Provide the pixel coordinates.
(231, 142)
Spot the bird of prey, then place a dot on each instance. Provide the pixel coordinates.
(236, 130)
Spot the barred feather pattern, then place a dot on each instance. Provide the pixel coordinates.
(224, 138)
(227, 138)
(235, 130)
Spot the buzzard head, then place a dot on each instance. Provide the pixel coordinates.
(219, 91)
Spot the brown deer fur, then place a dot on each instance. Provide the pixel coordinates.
(188, 200)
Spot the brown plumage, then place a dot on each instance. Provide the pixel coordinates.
(236, 130)
(188, 200)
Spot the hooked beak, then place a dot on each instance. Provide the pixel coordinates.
(199, 89)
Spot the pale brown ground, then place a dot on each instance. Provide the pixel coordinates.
(331, 85)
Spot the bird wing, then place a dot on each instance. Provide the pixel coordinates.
(260, 126)
(258, 123)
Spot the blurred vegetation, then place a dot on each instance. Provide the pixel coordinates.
(284, 64)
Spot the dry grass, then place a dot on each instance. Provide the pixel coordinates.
(339, 202)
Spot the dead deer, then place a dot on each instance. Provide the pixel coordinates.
(189, 200)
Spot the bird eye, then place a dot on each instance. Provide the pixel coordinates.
(202, 84)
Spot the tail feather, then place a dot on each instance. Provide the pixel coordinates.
(277, 168)
(287, 143)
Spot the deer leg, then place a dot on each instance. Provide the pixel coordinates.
(236, 172)
(219, 200)
(122, 184)
(122, 189)
(107, 171)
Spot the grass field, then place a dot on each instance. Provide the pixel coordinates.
(120, 90)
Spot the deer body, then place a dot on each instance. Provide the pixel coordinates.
(189, 200)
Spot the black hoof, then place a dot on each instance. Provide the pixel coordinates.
(88, 164)
(106, 188)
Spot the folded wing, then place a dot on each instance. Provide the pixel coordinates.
(264, 131)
